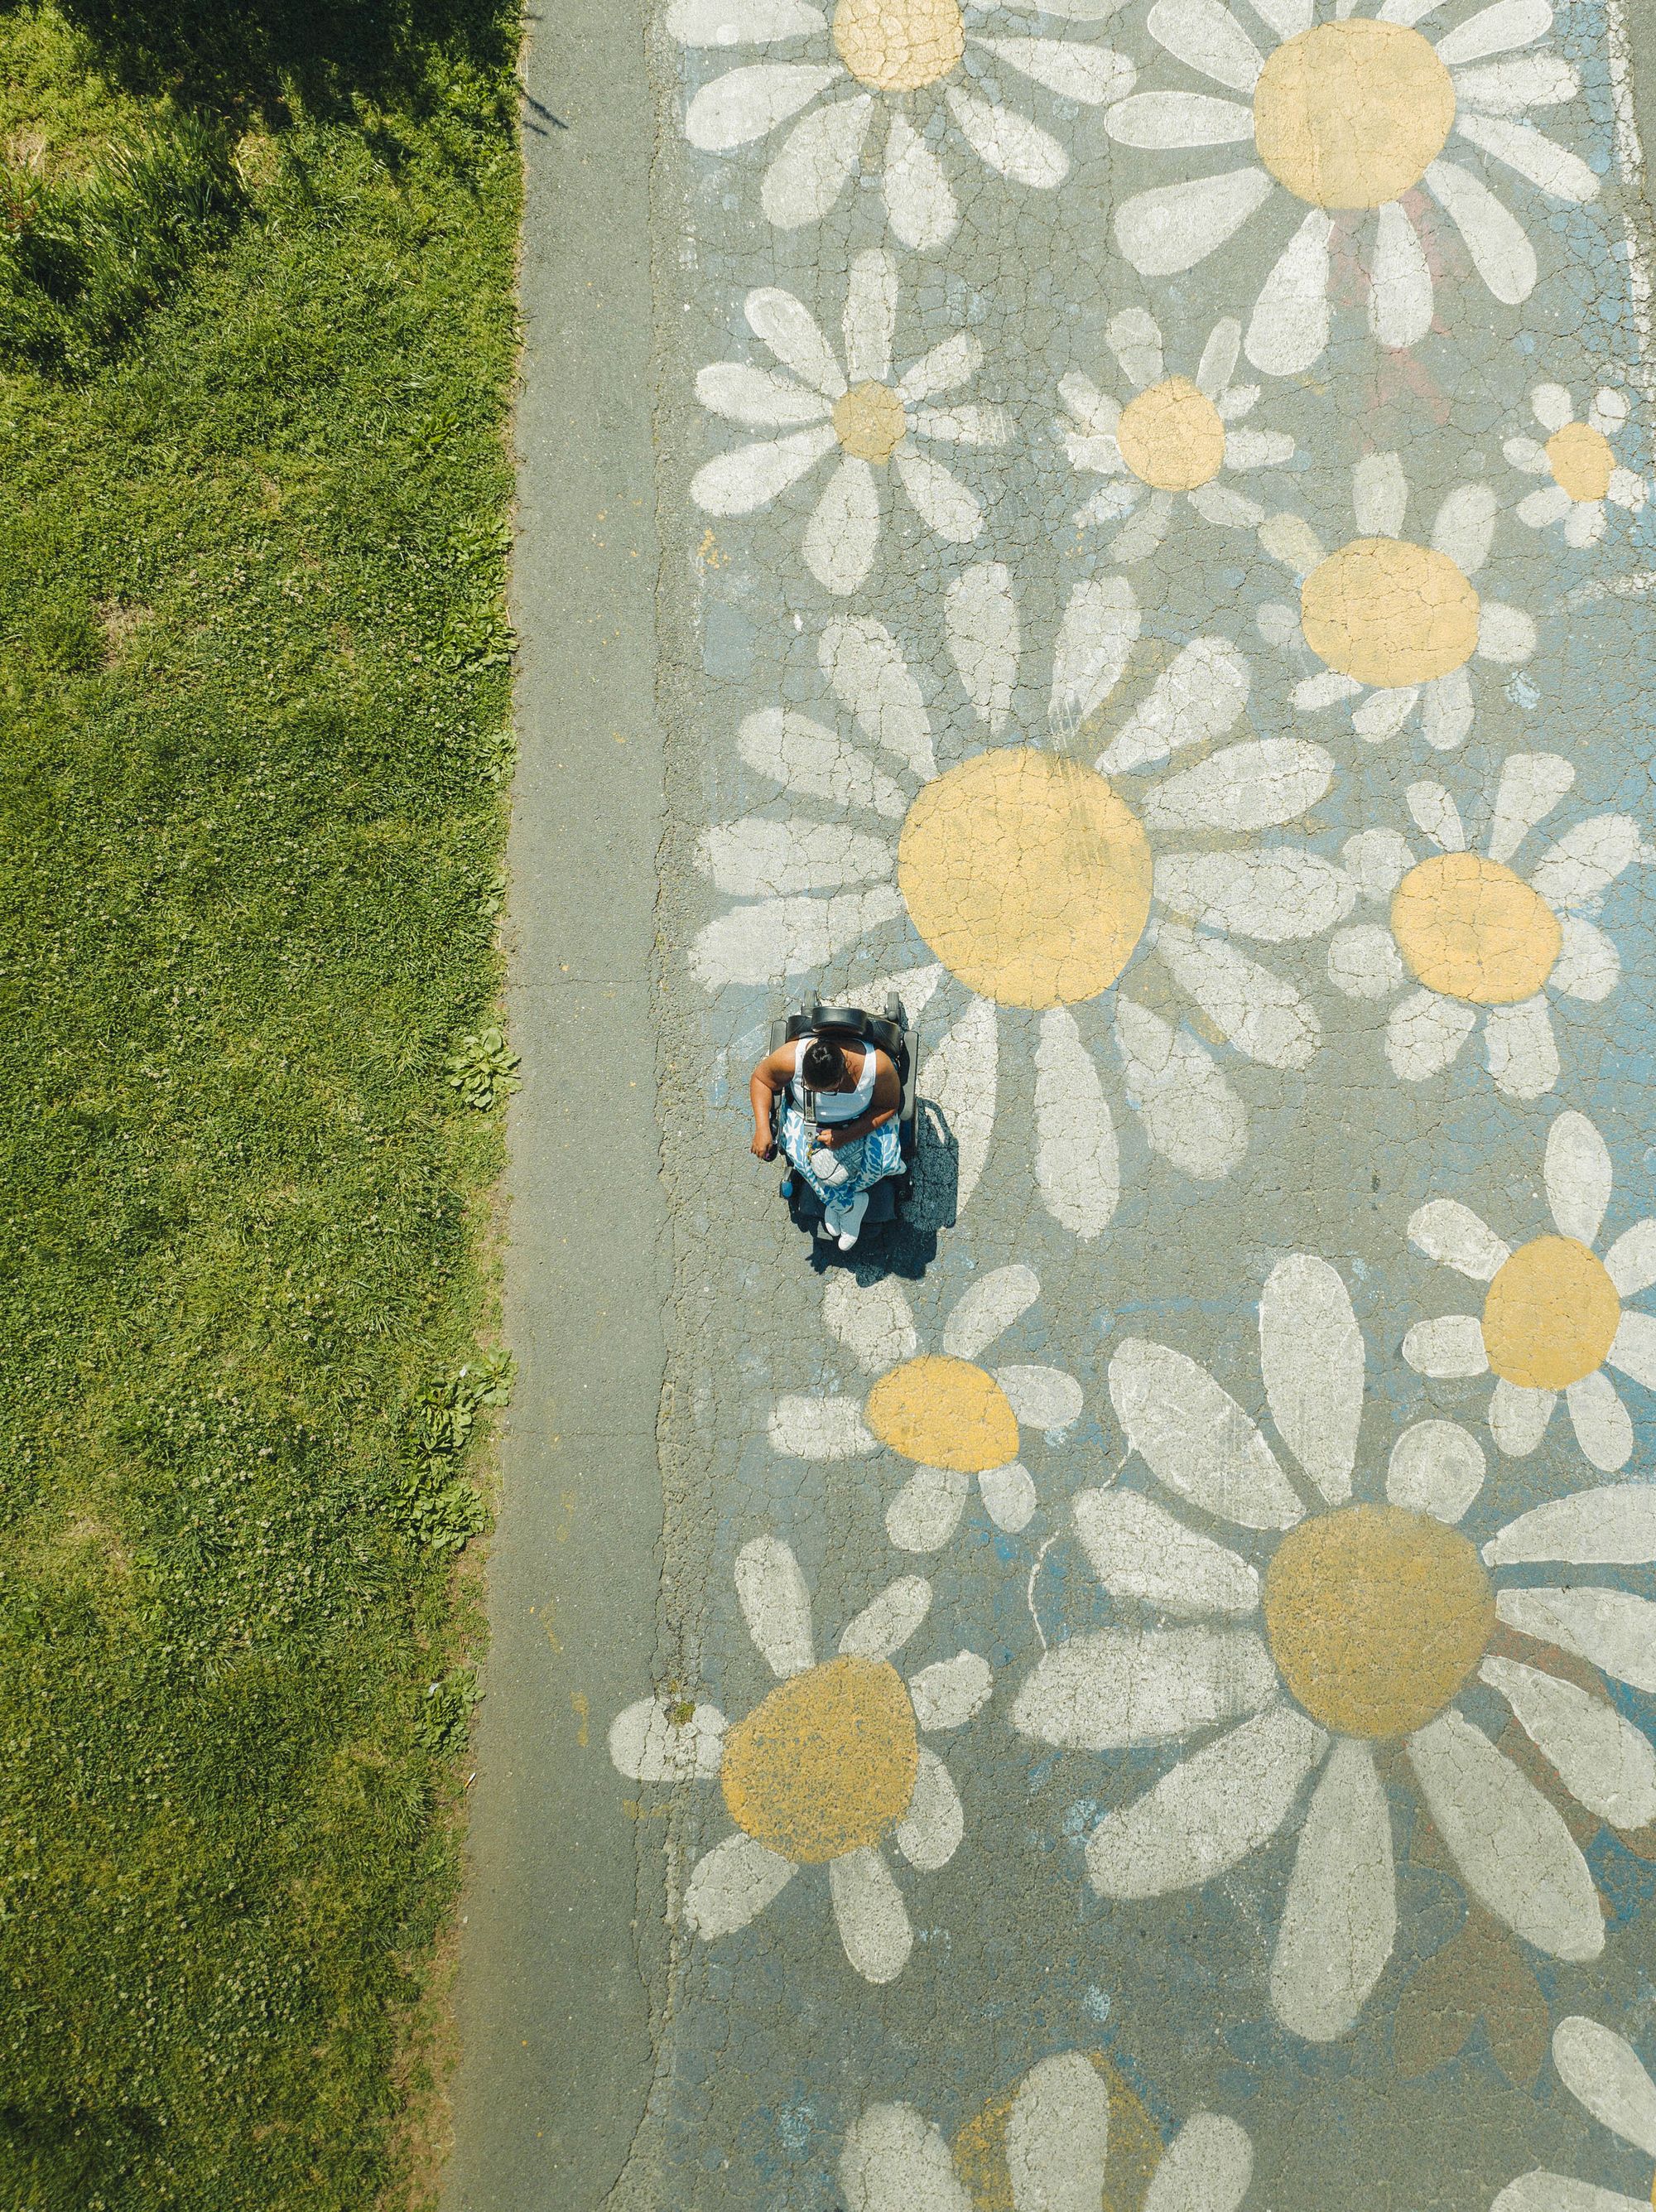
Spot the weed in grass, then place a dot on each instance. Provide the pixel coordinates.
(445, 1719)
(481, 1068)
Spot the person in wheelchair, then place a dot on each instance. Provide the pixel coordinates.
(840, 1099)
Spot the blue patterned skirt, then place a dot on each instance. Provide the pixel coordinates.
(870, 1158)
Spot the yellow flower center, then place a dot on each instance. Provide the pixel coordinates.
(1551, 1315)
(1171, 436)
(1389, 613)
(1582, 460)
(944, 1413)
(869, 422)
(1472, 929)
(826, 1764)
(1376, 1616)
(1027, 875)
(1350, 115)
(898, 46)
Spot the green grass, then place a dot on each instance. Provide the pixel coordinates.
(254, 680)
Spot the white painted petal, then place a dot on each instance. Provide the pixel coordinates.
(886, 1624)
(1254, 1010)
(759, 398)
(1211, 1812)
(1042, 1397)
(1057, 2135)
(1163, 121)
(1175, 226)
(751, 476)
(758, 857)
(1531, 786)
(1077, 1159)
(929, 1833)
(1514, 1853)
(1437, 815)
(1206, 37)
(1449, 1347)
(844, 529)
(1200, 695)
(948, 1694)
(860, 658)
(1219, 356)
(1288, 18)
(1435, 1468)
(873, 1321)
(1523, 1052)
(918, 197)
(1553, 407)
(1340, 1920)
(1100, 623)
(789, 329)
(1585, 523)
(1586, 860)
(1633, 1349)
(1226, 508)
(1508, 88)
(1608, 413)
(1363, 962)
(1097, 413)
(1505, 635)
(965, 425)
(1606, 2076)
(774, 937)
(1258, 449)
(937, 496)
(1519, 1417)
(1274, 894)
(1464, 529)
(1139, 537)
(647, 1743)
(895, 2161)
(927, 1511)
(1501, 250)
(1134, 337)
(1602, 1426)
(1196, 1439)
(741, 23)
(1400, 281)
(1208, 2164)
(1009, 1496)
(1312, 1360)
(952, 361)
(871, 316)
(1451, 1234)
(1535, 156)
(1495, 30)
(1290, 539)
(1379, 496)
(775, 1604)
(1089, 74)
(1561, 2192)
(815, 162)
(1260, 784)
(1117, 1687)
(1139, 1550)
(1538, 510)
(1191, 1116)
(1612, 1525)
(1610, 1629)
(1288, 328)
(959, 1076)
(1010, 143)
(988, 1309)
(1383, 714)
(1578, 1174)
(1627, 489)
(732, 1885)
(1603, 1761)
(1424, 1034)
(1528, 455)
(872, 1919)
(1378, 860)
(1631, 1260)
(736, 109)
(816, 762)
(820, 1429)
(1446, 717)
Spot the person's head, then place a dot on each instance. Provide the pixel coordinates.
(824, 1064)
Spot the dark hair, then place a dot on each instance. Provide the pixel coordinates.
(824, 1064)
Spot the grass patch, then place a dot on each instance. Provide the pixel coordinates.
(254, 705)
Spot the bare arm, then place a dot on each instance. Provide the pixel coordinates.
(883, 1108)
(771, 1076)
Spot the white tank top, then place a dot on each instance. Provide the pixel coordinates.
(838, 1105)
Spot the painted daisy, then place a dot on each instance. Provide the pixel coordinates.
(950, 1418)
(1050, 2149)
(912, 62)
(820, 408)
(1396, 624)
(1171, 439)
(1552, 1315)
(1350, 118)
(825, 1769)
(1608, 2079)
(1582, 462)
(1471, 934)
(1035, 881)
(1365, 1624)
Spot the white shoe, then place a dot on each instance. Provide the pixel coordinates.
(846, 1220)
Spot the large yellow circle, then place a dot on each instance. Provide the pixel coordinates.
(898, 46)
(1027, 875)
(1376, 1617)
(1550, 1314)
(1388, 613)
(1171, 436)
(870, 421)
(826, 1763)
(1473, 930)
(944, 1413)
(1351, 115)
(1582, 460)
